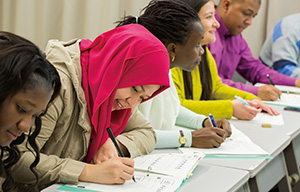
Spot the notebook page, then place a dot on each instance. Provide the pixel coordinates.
(175, 164)
(292, 100)
(145, 183)
(237, 144)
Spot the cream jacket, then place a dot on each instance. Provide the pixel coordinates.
(65, 133)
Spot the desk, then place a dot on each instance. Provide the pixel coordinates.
(292, 152)
(264, 173)
(215, 179)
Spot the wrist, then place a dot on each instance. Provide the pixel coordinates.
(86, 173)
(206, 122)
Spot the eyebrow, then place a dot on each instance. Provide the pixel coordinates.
(144, 91)
(34, 106)
(250, 10)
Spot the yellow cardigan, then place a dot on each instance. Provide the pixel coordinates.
(220, 106)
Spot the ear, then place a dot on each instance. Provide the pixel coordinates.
(171, 48)
(225, 5)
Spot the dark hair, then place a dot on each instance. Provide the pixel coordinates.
(168, 20)
(204, 70)
(22, 66)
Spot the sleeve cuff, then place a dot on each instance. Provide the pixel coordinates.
(170, 139)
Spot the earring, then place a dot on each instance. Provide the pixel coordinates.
(173, 58)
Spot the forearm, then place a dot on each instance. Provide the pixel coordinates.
(189, 119)
(138, 136)
(51, 169)
(238, 85)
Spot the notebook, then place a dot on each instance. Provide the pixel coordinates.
(238, 145)
(164, 172)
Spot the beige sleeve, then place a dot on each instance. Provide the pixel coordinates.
(138, 136)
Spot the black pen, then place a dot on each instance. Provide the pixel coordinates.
(271, 82)
(112, 137)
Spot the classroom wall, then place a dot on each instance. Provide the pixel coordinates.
(41, 20)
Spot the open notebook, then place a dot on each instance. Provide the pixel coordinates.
(264, 118)
(238, 145)
(164, 172)
(290, 96)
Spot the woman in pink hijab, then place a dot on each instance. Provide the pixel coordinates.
(120, 69)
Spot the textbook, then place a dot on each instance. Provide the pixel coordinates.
(238, 145)
(163, 172)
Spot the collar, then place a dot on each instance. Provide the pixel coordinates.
(223, 31)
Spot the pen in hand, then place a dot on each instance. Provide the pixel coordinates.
(271, 82)
(212, 120)
(242, 100)
(112, 137)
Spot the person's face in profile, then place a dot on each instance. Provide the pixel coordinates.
(238, 15)
(188, 56)
(209, 22)
(18, 113)
(131, 97)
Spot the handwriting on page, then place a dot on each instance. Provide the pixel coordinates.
(178, 164)
(237, 144)
(153, 182)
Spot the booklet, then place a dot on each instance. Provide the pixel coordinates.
(164, 172)
(238, 145)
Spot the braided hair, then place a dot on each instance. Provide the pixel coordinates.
(168, 20)
(22, 65)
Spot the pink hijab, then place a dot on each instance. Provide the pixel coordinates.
(123, 57)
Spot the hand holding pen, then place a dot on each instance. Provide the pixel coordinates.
(112, 137)
(271, 82)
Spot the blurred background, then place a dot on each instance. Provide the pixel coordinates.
(41, 20)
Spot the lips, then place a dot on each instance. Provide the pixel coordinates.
(12, 136)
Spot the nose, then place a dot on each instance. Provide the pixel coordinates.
(133, 101)
(201, 51)
(25, 124)
(216, 23)
(248, 21)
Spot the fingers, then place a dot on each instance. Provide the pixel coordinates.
(225, 125)
(268, 93)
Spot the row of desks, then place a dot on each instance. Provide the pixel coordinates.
(281, 142)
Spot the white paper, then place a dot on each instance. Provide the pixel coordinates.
(175, 164)
(283, 88)
(166, 173)
(286, 100)
(144, 183)
(266, 118)
(237, 144)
